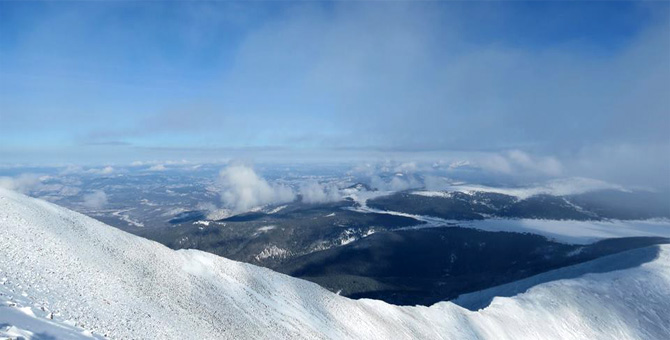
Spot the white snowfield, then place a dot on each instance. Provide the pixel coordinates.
(122, 286)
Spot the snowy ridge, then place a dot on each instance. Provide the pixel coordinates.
(122, 286)
(557, 187)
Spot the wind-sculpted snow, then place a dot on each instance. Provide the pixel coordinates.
(20, 319)
(122, 286)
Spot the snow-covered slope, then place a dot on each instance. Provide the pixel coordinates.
(122, 286)
(21, 318)
(616, 262)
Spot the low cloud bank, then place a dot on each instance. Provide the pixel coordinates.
(95, 200)
(157, 167)
(24, 183)
(510, 172)
(102, 171)
(315, 192)
(520, 163)
(397, 182)
(242, 189)
(43, 186)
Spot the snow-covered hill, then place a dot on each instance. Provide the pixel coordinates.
(114, 284)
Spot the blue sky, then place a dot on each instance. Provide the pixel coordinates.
(585, 83)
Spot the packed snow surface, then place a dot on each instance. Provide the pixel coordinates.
(20, 318)
(104, 280)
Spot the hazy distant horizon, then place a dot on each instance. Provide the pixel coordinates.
(535, 89)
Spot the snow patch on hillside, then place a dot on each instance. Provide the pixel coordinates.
(442, 194)
(277, 209)
(273, 252)
(264, 229)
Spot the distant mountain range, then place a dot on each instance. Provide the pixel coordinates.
(474, 205)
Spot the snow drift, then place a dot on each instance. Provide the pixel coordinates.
(118, 285)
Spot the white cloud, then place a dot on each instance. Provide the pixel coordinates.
(407, 167)
(435, 182)
(645, 165)
(71, 169)
(43, 186)
(157, 167)
(23, 183)
(315, 192)
(95, 200)
(459, 164)
(518, 162)
(391, 175)
(545, 165)
(396, 183)
(96, 171)
(495, 163)
(243, 189)
(161, 165)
